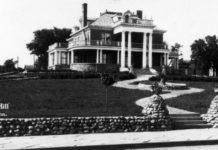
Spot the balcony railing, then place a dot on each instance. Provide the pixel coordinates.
(58, 45)
(144, 22)
(159, 46)
(95, 43)
(113, 44)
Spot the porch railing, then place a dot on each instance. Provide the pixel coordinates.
(112, 43)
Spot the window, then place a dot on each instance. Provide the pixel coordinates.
(63, 58)
(103, 36)
(106, 38)
(85, 56)
(109, 57)
(104, 57)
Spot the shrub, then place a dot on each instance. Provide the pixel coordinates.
(125, 76)
(155, 78)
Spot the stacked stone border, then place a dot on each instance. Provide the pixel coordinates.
(211, 117)
(78, 125)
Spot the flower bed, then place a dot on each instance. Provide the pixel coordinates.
(75, 125)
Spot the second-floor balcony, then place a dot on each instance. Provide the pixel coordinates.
(58, 45)
(141, 23)
(113, 44)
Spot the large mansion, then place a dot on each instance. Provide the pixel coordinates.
(114, 40)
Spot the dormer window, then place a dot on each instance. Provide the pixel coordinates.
(126, 18)
(134, 21)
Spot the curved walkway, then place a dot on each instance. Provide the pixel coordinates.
(174, 93)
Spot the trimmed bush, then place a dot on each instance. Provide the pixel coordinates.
(125, 76)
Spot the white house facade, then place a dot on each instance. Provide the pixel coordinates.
(114, 40)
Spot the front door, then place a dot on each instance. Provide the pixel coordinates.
(137, 59)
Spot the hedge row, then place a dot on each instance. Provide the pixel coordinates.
(125, 76)
(76, 75)
(52, 71)
(186, 78)
(66, 75)
(74, 125)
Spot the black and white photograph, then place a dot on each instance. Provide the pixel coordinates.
(108, 75)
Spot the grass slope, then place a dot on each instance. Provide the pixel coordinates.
(198, 102)
(78, 97)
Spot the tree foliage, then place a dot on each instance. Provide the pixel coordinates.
(42, 39)
(176, 47)
(9, 64)
(205, 53)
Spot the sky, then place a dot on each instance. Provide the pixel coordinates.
(184, 20)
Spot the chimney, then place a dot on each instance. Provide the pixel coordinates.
(139, 13)
(84, 15)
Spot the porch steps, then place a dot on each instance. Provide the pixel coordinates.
(140, 72)
(189, 121)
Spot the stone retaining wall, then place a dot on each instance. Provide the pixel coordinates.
(212, 114)
(74, 125)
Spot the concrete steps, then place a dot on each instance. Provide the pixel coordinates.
(189, 121)
(140, 72)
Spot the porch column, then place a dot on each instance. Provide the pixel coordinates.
(68, 57)
(60, 58)
(161, 60)
(49, 59)
(101, 56)
(144, 57)
(150, 51)
(123, 50)
(97, 56)
(72, 57)
(165, 59)
(118, 57)
(129, 49)
(56, 57)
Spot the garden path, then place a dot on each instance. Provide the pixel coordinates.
(174, 93)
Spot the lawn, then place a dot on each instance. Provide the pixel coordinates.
(198, 102)
(86, 97)
(70, 97)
